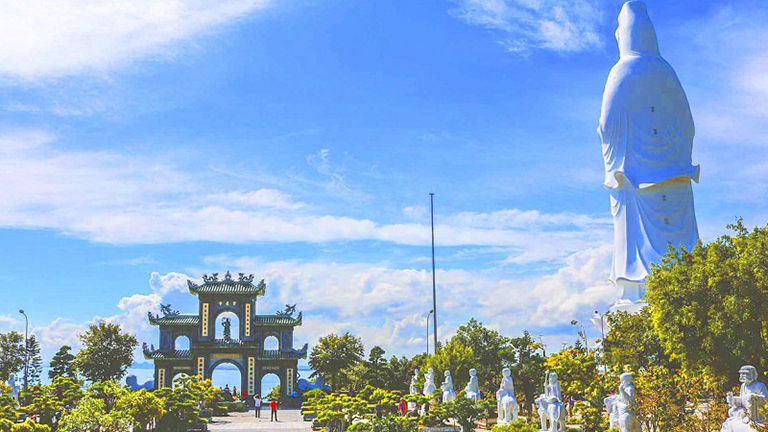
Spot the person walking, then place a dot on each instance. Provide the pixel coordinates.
(273, 408)
(257, 405)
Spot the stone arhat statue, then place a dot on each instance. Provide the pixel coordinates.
(625, 402)
(472, 390)
(448, 393)
(744, 410)
(429, 383)
(413, 389)
(550, 405)
(506, 402)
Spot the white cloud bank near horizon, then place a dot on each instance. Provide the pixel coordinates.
(383, 305)
(53, 38)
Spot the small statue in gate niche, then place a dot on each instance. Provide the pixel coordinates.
(227, 323)
(166, 309)
(288, 311)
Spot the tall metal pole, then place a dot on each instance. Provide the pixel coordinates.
(434, 283)
(430, 313)
(26, 350)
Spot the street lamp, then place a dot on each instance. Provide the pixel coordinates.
(602, 323)
(26, 351)
(430, 313)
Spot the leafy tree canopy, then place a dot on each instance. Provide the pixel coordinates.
(333, 354)
(708, 304)
(107, 352)
(11, 354)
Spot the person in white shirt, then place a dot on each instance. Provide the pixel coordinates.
(257, 405)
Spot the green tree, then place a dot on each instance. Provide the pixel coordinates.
(87, 416)
(464, 411)
(63, 363)
(274, 394)
(142, 407)
(456, 358)
(11, 354)
(107, 352)
(35, 361)
(181, 408)
(43, 402)
(8, 407)
(492, 352)
(375, 367)
(632, 343)
(68, 390)
(529, 372)
(333, 354)
(108, 392)
(707, 305)
(576, 370)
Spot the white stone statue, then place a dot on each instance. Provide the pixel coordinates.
(613, 414)
(472, 390)
(413, 387)
(646, 130)
(429, 383)
(745, 408)
(624, 405)
(448, 393)
(550, 404)
(506, 402)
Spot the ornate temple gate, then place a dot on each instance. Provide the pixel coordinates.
(245, 349)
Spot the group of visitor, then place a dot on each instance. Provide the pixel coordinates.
(257, 408)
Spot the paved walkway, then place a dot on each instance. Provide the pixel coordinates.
(290, 421)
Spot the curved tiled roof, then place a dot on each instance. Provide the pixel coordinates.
(284, 355)
(242, 286)
(277, 320)
(158, 355)
(174, 320)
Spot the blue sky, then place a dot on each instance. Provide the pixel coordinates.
(145, 143)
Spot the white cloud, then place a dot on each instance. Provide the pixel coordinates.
(259, 198)
(524, 25)
(51, 38)
(128, 199)
(385, 306)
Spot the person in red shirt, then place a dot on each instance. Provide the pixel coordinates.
(273, 407)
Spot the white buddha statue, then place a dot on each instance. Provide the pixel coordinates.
(413, 387)
(745, 408)
(472, 390)
(624, 405)
(646, 130)
(429, 383)
(506, 402)
(448, 393)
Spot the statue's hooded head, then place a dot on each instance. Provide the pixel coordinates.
(472, 372)
(635, 35)
(552, 378)
(506, 372)
(626, 378)
(747, 374)
(447, 373)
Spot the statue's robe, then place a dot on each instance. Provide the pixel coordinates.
(472, 390)
(646, 130)
(752, 396)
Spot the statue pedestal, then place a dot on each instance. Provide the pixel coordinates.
(632, 297)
